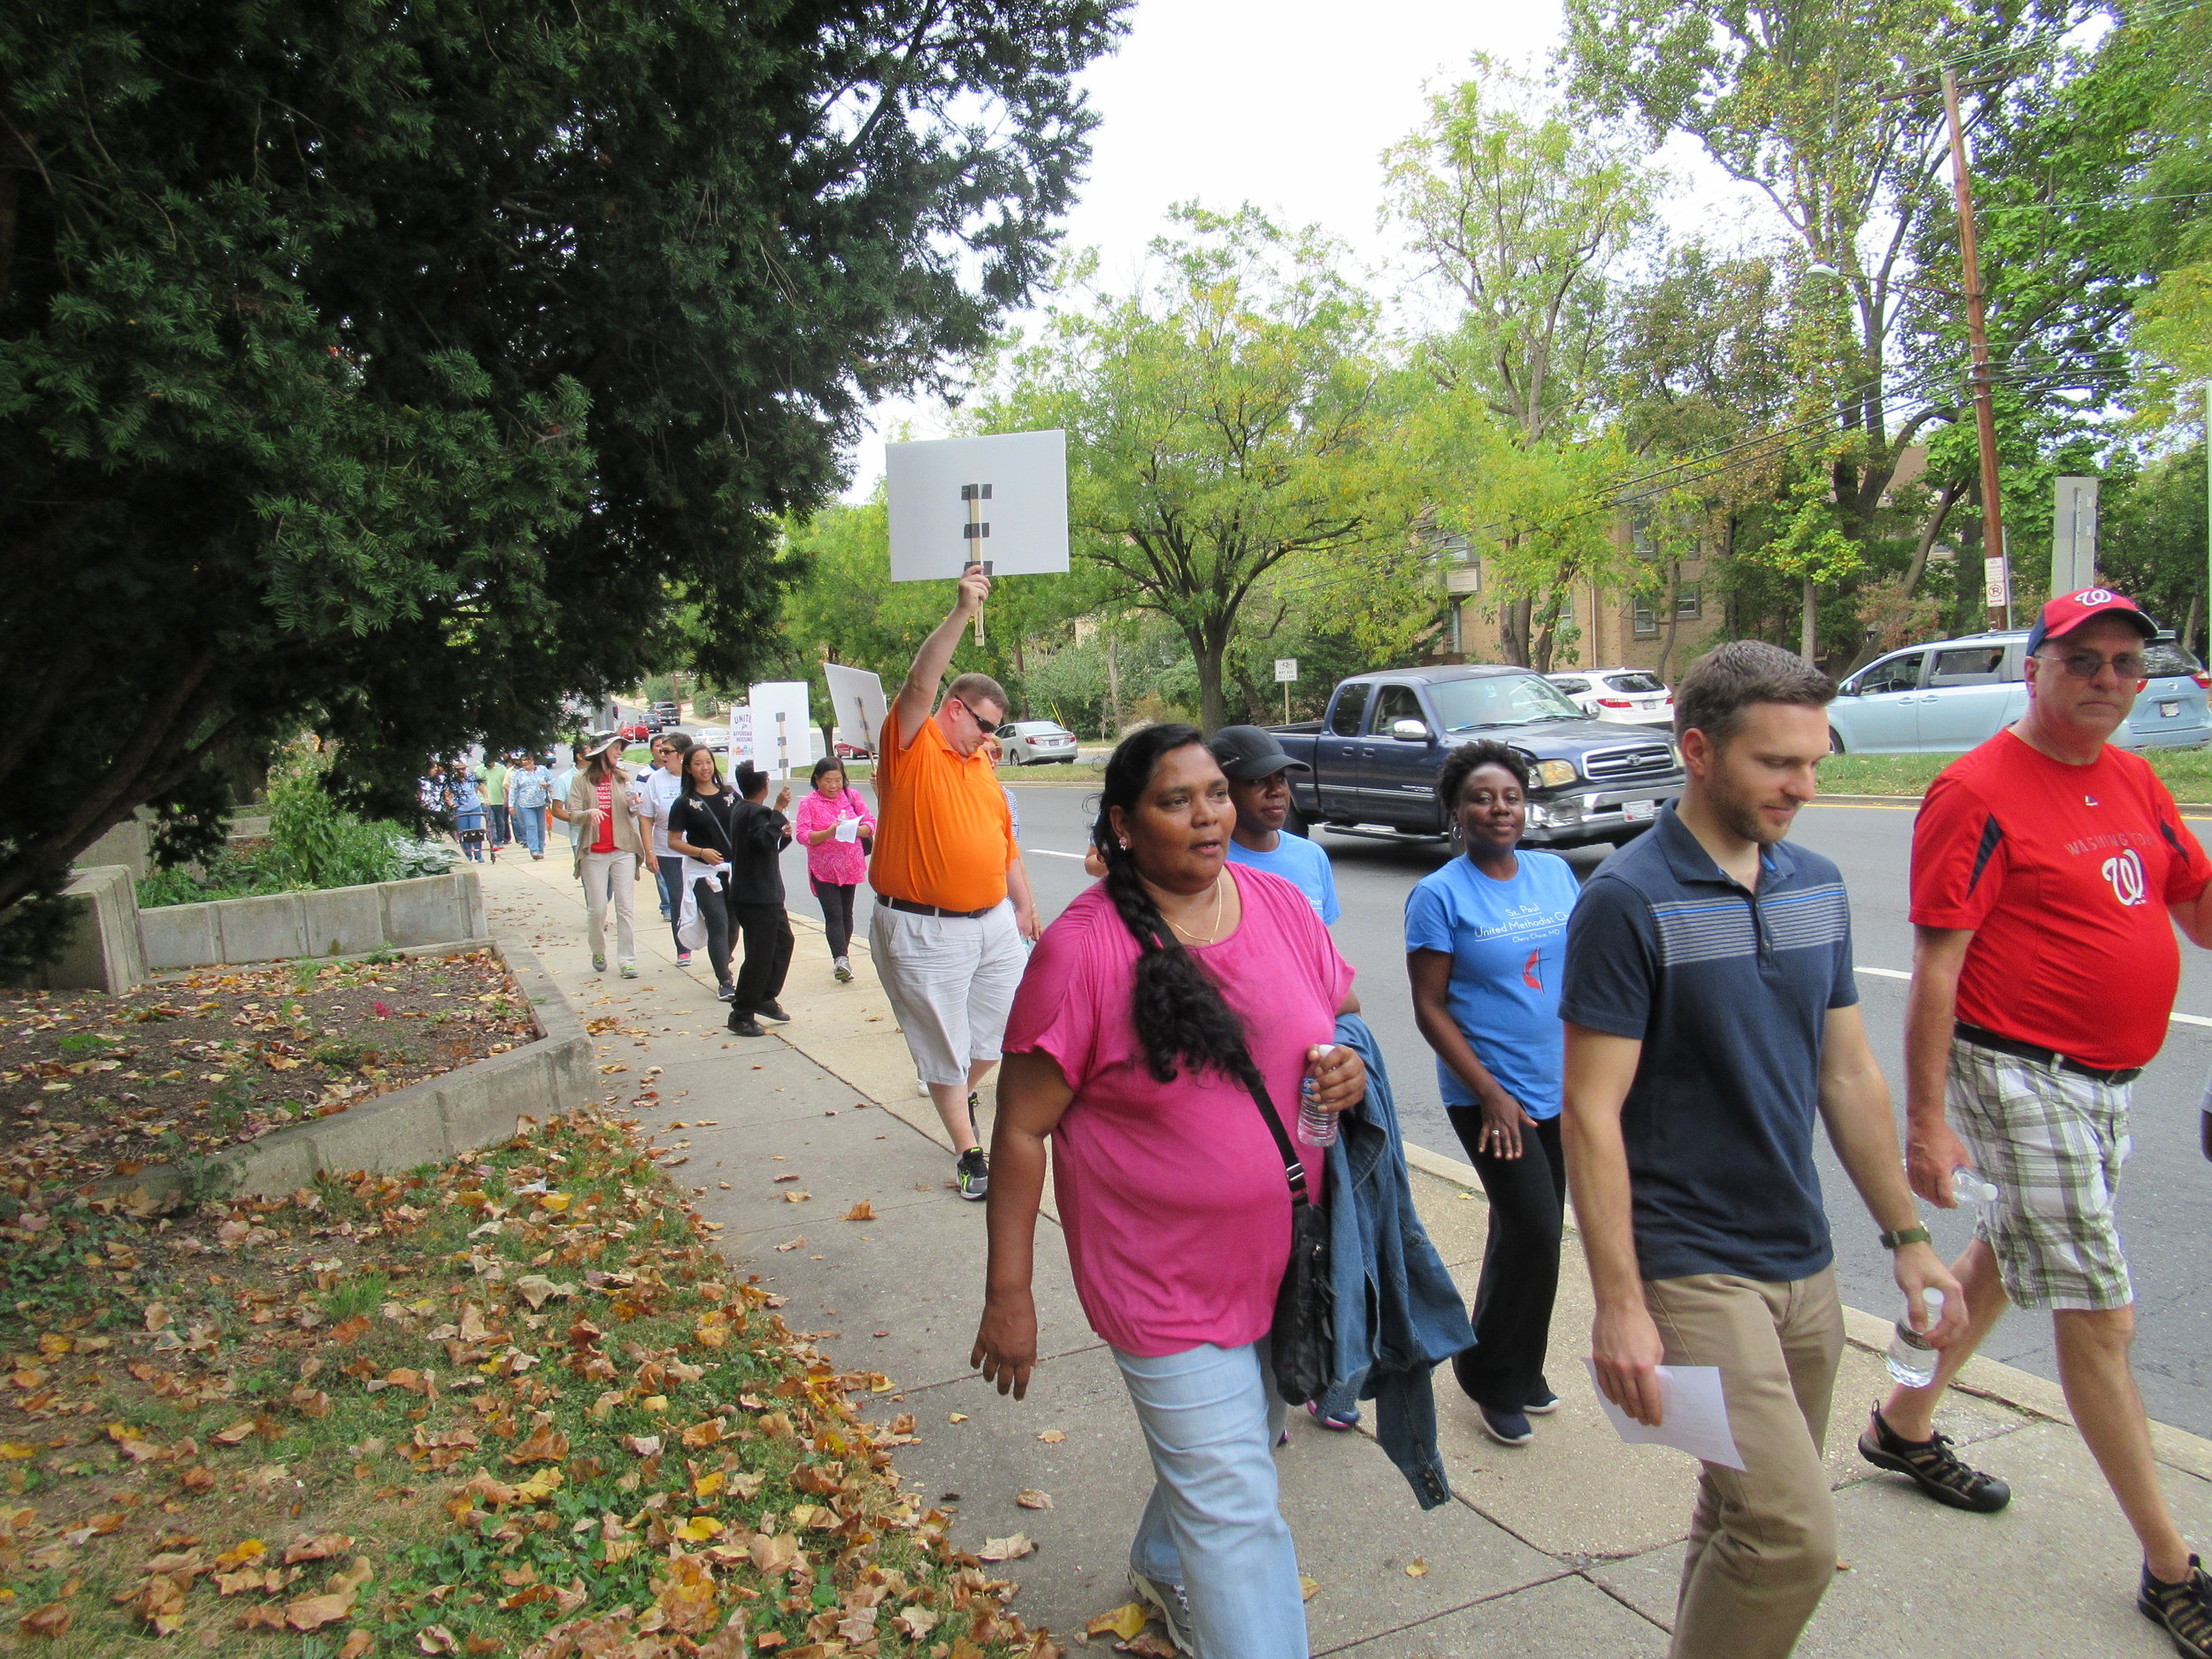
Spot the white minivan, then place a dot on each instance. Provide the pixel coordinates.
(1946, 696)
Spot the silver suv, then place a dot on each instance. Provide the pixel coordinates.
(1946, 696)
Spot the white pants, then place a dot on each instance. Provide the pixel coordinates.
(951, 980)
(612, 876)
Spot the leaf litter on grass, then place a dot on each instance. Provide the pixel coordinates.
(516, 1405)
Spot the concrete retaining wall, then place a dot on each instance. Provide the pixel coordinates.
(429, 1122)
(103, 952)
(332, 922)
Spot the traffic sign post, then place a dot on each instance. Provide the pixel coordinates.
(1286, 672)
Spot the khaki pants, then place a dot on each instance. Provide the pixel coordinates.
(1763, 1542)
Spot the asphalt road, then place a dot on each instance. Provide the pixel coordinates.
(2162, 1201)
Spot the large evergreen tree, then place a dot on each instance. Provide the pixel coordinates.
(401, 369)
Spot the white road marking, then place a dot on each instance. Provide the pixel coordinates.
(1892, 973)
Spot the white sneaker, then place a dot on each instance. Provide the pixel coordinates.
(921, 1089)
(844, 971)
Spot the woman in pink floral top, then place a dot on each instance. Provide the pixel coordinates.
(836, 828)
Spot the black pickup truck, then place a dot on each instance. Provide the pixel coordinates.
(1376, 754)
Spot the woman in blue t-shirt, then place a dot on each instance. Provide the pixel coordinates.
(1485, 939)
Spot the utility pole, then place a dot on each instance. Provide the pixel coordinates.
(1996, 566)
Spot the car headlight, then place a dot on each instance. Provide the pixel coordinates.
(1553, 774)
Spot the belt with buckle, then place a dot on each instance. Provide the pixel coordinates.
(910, 906)
(1983, 1038)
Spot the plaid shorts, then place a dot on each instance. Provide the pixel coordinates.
(2051, 1142)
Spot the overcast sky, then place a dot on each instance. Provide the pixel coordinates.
(1287, 104)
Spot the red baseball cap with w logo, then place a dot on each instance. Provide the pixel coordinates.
(2068, 611)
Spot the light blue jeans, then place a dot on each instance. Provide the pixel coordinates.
(530, 827)
(1212, 1523)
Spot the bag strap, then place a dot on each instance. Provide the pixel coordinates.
(1293, 1166)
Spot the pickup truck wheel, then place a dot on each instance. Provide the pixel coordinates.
(1295, 822)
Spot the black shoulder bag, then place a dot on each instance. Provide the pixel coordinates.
(1302, 1342)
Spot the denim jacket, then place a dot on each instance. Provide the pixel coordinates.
(1398, 1313)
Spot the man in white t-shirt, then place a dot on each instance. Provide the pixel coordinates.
(1259, 786)
(657, 791)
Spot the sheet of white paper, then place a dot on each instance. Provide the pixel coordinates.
(849, 829)
(1695, 1415)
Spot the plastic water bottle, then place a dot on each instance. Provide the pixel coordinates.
(1968, 1189)
(1912, 1358)
(1316, 1127)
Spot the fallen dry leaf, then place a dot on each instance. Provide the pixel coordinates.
(1308, 1588)
(313, 1612)
(1125, 1621)
(1033, 1500)
(53, 1619)
(1052, 1437)
(358, 1643)
(915, 1623)
(1416, 1568)
(862, 1211)
(1012, 1547)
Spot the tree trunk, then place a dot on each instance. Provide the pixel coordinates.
(1514, 616)
(1212, 716)
(1806, 634)
(1673, 624)
(1944, 504)
(1113, 689)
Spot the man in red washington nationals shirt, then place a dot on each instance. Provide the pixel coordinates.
(2045, 867)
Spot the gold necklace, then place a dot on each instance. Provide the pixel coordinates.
(1221, 895)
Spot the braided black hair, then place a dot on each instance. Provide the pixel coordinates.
(1178, 1010)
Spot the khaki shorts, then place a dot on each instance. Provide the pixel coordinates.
(2051, 1142)
(951, 980)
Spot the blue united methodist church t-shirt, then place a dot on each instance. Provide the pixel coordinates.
(1507, 940)
(1729, 992)
(1299, 862)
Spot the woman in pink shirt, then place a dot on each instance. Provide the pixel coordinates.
(836, 863)
(1152, 1008)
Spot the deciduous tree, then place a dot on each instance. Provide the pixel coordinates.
(401, 370)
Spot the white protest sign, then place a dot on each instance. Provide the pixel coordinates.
(783, 740)
(1001, 499)
(857, 704)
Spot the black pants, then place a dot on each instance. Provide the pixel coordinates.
(1520, 1264)
(837, 916)
(766, 930)
(714, 910)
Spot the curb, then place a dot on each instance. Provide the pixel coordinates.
(1986, 1379)
(441, 1118)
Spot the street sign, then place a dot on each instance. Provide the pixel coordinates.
(1286, 669)
(2074, 536)
(1997, 582)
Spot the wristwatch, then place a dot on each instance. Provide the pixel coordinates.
(1903, 1236)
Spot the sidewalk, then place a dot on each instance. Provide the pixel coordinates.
(1568, 1547)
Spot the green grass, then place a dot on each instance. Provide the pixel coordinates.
(2186, 772)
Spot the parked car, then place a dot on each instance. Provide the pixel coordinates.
(1622, 696)
(852, 751)
(1036, 742)
(635, 732)
(1948, 696)
(1375, 756)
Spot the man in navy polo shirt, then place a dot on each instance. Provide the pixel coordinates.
(1710, 1015)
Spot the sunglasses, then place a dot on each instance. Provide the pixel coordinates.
(981, 726)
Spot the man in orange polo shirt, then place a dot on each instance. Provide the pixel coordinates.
(946, 936)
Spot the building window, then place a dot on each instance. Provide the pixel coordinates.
(1647, 618)
(1688, 601)
(1567, 610)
